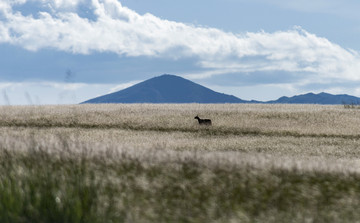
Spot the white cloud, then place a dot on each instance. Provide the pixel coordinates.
(24, 93)
(121, 30)
(64, 3)
(69, 4)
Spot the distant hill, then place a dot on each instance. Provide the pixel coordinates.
(166, 89)
(174, 89)
(321, 98)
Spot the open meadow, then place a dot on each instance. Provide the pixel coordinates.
(155, 163)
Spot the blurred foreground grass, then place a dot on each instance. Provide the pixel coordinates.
(39, 186)
(122, 169)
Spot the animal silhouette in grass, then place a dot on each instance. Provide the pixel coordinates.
(203, 121)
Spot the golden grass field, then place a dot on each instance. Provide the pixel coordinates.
(154, 163)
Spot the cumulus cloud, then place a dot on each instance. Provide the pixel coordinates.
(50, 3)
(121, 30)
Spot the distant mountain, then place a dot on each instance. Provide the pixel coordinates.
(174, 89)
(321, 98)
(166, 89)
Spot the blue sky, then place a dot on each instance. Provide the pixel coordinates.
(68, 51)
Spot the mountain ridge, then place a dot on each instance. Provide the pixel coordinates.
(320, 98)
(169, 88)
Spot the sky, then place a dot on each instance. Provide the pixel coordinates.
(69, 51)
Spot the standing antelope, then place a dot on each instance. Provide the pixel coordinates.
(203, 121)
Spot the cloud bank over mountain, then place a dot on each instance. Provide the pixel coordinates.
(114, 28)
(293, 58)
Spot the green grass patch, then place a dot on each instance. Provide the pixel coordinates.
(38, 186)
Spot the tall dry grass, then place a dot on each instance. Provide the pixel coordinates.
(281, 119)
(154, 163)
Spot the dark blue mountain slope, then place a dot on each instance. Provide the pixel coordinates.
(166, 89)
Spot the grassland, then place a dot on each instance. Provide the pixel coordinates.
(154, 163)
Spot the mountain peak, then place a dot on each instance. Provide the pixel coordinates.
(166, 76)
(166, 88)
